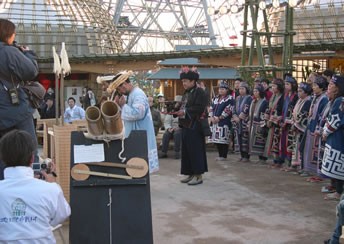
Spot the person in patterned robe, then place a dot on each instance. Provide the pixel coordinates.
(257, 126)
(273, 117)
(310, 142)
(240, 118)
(299, 122)
(290, 100)
(333, 134)
(220, 113)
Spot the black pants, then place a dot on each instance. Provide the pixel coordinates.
(222, 149)
(245, 155)
(338, 184)
(263, 158)
(176, 135)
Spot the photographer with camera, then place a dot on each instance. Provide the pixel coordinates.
(17, 64)
(172, 130)
(28, 206)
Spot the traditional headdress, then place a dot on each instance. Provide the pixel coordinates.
(186, 73)
(244, 84)
(223, 85)
(321, 82)
(339, 82)
(259, 87)
(306, 87)
(290, 80)
(279, 83)
(119, 79)
(258, 79)
(105, 79)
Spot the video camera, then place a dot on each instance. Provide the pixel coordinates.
(170, 106)
(21, 48)
(44, 166)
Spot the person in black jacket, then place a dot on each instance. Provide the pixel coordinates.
(49, 111)
(194, 102)
(16, 64)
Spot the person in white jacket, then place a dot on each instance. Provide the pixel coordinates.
(29, 207)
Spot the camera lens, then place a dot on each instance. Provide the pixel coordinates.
(44, 166)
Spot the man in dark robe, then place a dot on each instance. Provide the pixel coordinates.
(194, 103)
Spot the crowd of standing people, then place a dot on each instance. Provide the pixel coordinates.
(298, 125)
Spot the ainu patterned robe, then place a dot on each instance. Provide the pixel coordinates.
(286, 144)
(320, 129)
(333, 161)
(310, 141)
(275, 116)
(300, 118)
(257, 127)
(242, 108)
(221, 105)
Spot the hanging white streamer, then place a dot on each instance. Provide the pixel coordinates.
(57, 65)
(65, 66)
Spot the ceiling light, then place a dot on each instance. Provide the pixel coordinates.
(211, 11)
(292, 3)
(275, 3)
(234, 9)
(223, 10)
(262, 5)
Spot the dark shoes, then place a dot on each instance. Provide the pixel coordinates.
(187, 179)
(195, 181)
(163, 155)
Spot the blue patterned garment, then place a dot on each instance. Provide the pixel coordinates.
(333, 161)
(137, 116)
(221, 106)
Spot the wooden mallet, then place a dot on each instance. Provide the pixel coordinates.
(135, 167)
(81, 172)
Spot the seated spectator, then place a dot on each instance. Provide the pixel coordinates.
(89, 99)
(28, 206)
(172, 130)
(74, 112)
(156, 117)
(49, 111)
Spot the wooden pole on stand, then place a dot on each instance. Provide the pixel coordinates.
(57, 71)
(65, 70)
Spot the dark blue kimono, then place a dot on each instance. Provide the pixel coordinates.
(333, 161)
(310, 141)
(221, 106)
(241, 130)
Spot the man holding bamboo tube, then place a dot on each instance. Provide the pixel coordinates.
(135, 111)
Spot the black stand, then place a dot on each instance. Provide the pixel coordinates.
(128, 202)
